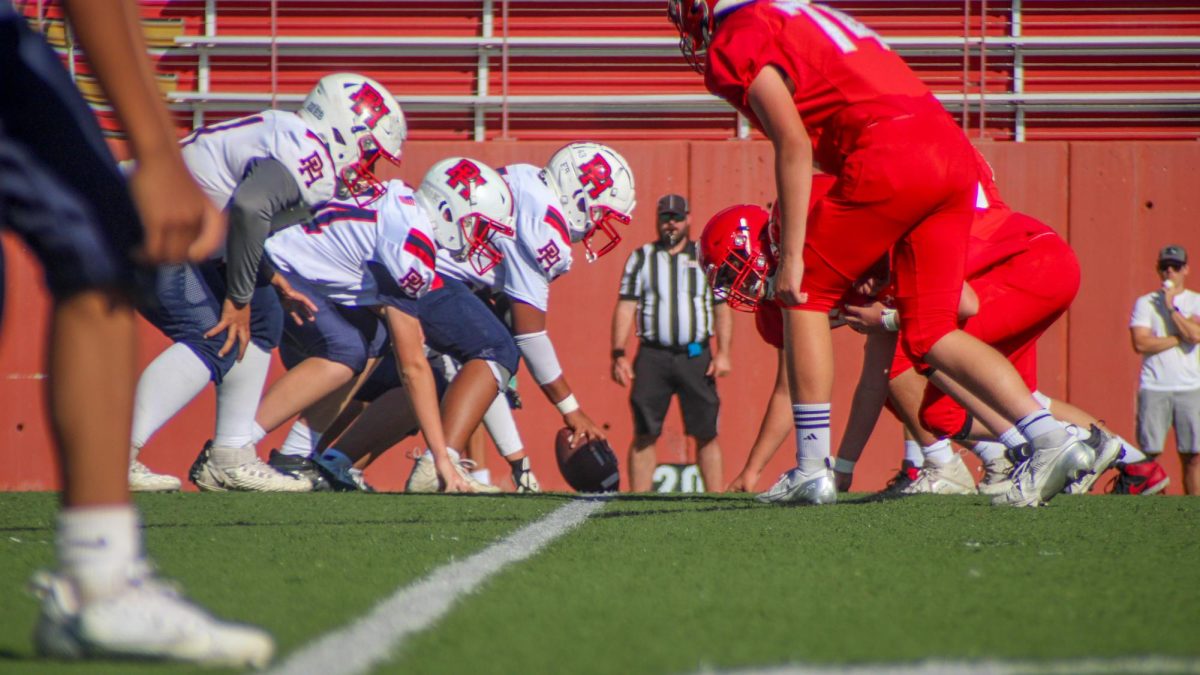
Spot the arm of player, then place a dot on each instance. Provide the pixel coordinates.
(622, 324)
(770, 97)
(723, 327)
(529, 332)
(408, 343)
(869, 397)
(1146, 344)
(179, 221)
(772, 432)
(266, 189)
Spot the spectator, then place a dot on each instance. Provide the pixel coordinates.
(1165, 328)
(665, 286)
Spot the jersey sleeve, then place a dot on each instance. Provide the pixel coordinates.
(631, 278)
(403, 264)
(308, 160)
(541, 254)
(735, 58)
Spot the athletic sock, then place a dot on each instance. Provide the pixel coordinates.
(97, 545)
(1012, 438)
(482, 475)
(168, 384)
(812, 436)
(1131, 455)
(238, 396)
(500, 424)
(301, 441)
(257, 434)
(912, 453)
(225, 457)
(939, 453)
(988, 451)
(1042, 430)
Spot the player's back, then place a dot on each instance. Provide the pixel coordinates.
(219, 155)
(835, 62)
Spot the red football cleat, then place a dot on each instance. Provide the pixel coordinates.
(1143, 478)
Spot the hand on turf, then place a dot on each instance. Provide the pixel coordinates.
(622, 372)
(296, 304)
(842, 481)
(583, 429)
(719, 366)
(787, 283)
(235, 320)
(179, 221)
(448, 477)
(745, 482)
(865, 319)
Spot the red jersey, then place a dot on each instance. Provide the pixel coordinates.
(844, 74)
(996, 235)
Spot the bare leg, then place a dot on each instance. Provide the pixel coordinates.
(1191, 472)
(642, 461)
(984, 372)
(92, 375)
(467, 399)
(385, 422)
(708, 456)
(300, 388)
(809, 353)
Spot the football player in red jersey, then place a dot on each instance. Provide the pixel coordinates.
(825, 88)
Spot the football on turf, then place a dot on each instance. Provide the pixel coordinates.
(592, 467)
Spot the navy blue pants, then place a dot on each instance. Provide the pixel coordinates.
(346, 335)
(60, 188)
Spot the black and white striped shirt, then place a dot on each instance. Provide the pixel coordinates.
(675, 304)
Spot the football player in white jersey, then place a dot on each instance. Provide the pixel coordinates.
(358, 258)
(266, 170)
(585, 194)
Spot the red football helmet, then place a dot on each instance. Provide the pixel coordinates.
(697, 22)
(736, 255)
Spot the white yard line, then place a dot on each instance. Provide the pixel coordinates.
(372, 639)
(1094, 666)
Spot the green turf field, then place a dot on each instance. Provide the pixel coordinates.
(653, 584)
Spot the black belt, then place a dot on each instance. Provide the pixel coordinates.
(677, 349)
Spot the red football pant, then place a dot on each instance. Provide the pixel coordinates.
(910, 184)
(1018, 299)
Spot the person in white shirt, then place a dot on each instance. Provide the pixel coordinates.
(1165, 328)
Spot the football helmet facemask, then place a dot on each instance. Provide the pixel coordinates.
(594, 185)
(361, 123)
(697, 21)
(470, 206)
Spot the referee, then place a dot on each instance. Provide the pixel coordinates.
(664, 287)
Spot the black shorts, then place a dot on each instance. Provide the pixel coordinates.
(60, 188)
(660, 373)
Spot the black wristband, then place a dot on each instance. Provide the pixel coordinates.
(617, 353)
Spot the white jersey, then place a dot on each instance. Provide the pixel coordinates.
(1177, 368)
(219, 155)
(362, 256)
(540, 252)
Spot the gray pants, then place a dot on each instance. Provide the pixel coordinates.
(1158, 411)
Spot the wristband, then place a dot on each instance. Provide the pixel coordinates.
(617, 353)
(568, 405)
(843, 465)
(891, 320)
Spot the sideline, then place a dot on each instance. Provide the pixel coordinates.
(374, 638)
(1096, 666)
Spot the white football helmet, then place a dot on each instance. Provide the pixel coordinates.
(360, 122)
(594, 185)
(470, 206)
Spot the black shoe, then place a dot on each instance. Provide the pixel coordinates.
(907, 475)
(198, 464)
(300, 467)
(1019, 454)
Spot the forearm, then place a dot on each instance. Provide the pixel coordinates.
(1148, 345)
(418, 380)
(622, 322)
(869, 395)
(111, 35)
(724, 328)
(793, 179)
(1189, 330)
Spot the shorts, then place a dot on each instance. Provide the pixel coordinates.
(346, 335)
(187, 303)
(1158, 411)
(661, 372)
(908, 186)
(60, 188)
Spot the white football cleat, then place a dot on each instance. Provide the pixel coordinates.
(524, 479)
(1108, 451)
(424, 476)
(142, 479)
(254, 475)
(996, 479)
(801, 488)
(148, 619)
(1037, 479)
(951, 478)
